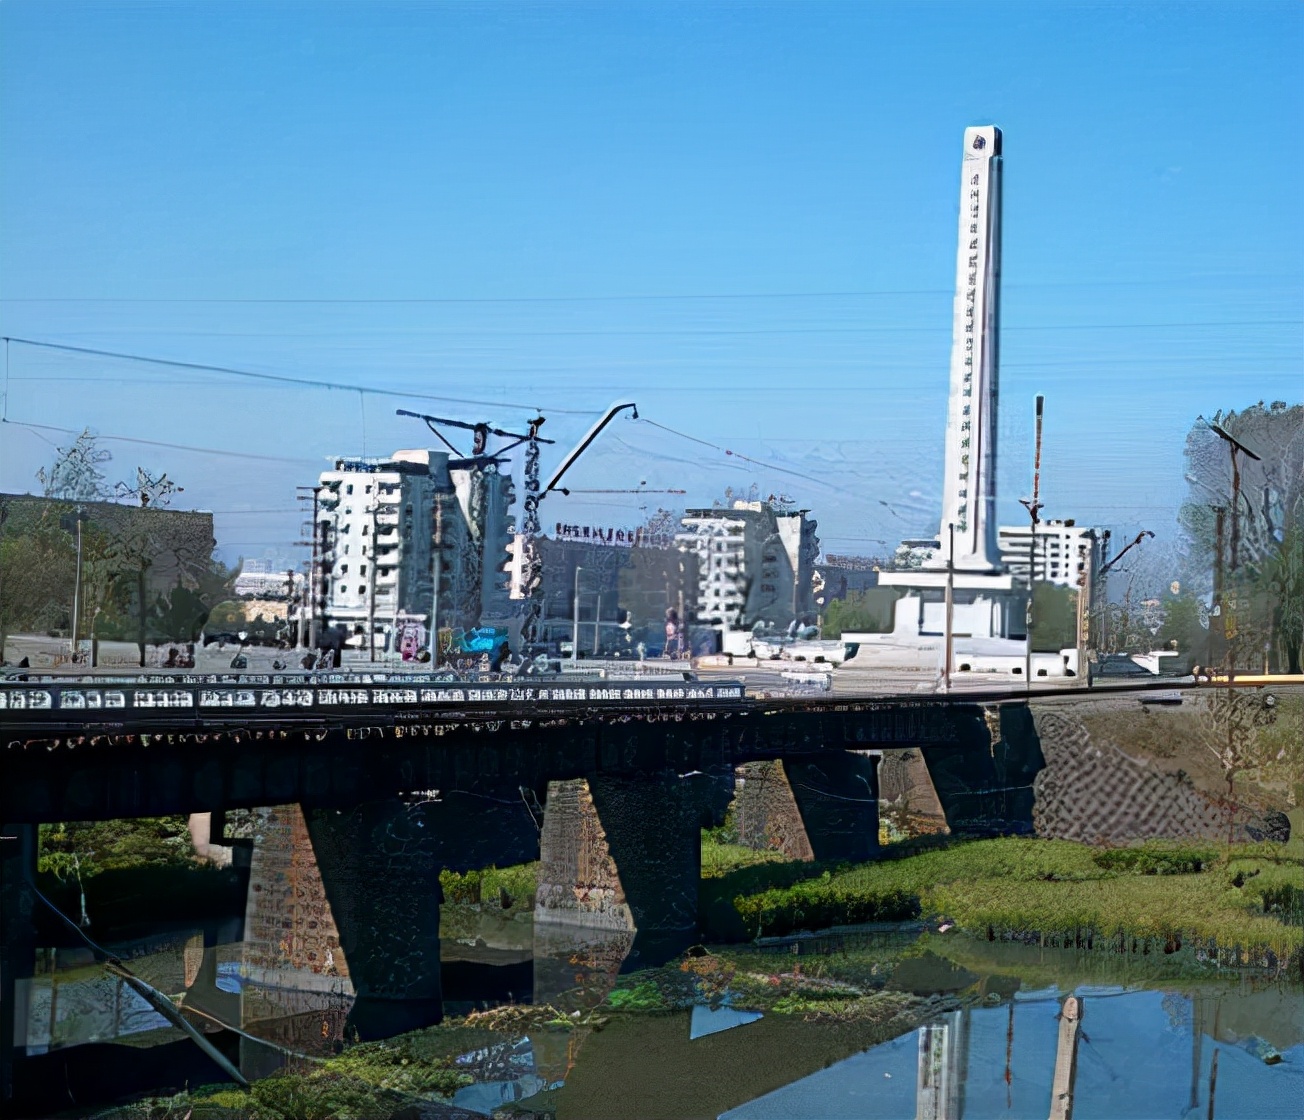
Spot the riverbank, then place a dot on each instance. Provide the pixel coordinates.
(1245, 898)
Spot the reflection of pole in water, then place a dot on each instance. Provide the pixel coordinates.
(943, 1061)
(1009, 1059)
(1066, 1060)
(1197, 1029)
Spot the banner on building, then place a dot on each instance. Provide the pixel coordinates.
(600, 534)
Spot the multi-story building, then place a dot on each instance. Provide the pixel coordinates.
(756, 564)
(414, 540)
(1063, 553)
(261, 579)
(846, 575)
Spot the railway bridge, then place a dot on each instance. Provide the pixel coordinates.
(398, 778)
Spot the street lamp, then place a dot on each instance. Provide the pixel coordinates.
(1233, 446)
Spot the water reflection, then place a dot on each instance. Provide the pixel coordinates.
(706, 1020)
(504, 1074)
(1143, 1054)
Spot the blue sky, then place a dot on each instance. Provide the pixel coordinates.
(742, 216)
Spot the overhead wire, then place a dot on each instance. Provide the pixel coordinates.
(772, 467)
(225, 452)
(633, 297)
(285, 379)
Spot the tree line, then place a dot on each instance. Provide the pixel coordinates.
(147, 574)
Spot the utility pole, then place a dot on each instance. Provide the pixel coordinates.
(76, 587)
(575, 618)
(1234, 446)
(371, 588)
(314, 574)
(1219, 598)
(436, 578)
(950, 607)
(1033, 506)
(1104, 570)
(312, 606)
(1083, 638)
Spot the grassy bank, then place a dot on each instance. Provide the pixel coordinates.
(1247, 896)
(409, 1076)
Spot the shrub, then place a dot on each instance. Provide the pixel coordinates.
(643, 996)
(1148, 859)
(514, 886)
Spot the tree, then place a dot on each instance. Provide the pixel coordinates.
(1054, 617)
(36, 576)
(150, 490)
(868, 612)
(1231, 731)
(76, 475)
(1263, 518)
(1283, 576)
(1186, 629)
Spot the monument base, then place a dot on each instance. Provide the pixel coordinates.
(988, 627)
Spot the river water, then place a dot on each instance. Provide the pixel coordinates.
(1146, 1048)
(971, 1029)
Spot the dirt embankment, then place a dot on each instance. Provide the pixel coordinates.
(1118, 771)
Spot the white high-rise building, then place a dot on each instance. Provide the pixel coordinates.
(756, 563)
(413, 539)
(1065, 554)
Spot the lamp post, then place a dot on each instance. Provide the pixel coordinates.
(1224, 599)
(1033, 506)
(1233, 446)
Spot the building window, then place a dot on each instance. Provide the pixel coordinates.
(362, 571)
(361, 589)
(365, 529)
(344, 569)
(349, 488)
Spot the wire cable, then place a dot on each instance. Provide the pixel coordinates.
(771, 467)
(160, 443)
(283, 379)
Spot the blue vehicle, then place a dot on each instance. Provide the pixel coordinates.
(481, 639)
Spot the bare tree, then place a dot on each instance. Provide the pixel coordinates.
(1263, 521)
(150, 490)
(1231, 730)
(76, 475)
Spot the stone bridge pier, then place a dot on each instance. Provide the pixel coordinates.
(380, 863)
(822, 806)
(825, 805)
(623, 854)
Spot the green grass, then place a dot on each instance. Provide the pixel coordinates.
(1247, 896)
(509, 887)
(719, 859)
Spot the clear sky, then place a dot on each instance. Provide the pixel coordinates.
(742, 216)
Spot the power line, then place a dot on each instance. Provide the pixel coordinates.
(160, 443)
(771, 467)
(641, 297)
(302, 382)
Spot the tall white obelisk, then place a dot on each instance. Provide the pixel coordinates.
(969, 487)
(972, 615)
